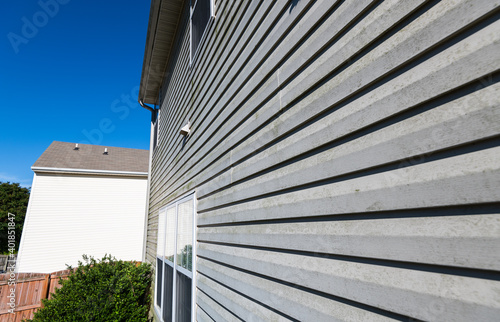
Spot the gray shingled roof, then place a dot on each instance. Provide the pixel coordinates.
(62, 155)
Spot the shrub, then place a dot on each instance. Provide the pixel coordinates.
(101, 290)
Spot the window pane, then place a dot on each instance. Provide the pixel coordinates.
(170, 231)
(159, 274)
(161, 234)
(185, 235)
(183, 298)
(167, 293)
(199, 21)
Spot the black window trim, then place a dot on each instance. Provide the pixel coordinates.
(193, 56)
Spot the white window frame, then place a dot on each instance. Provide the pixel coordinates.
(193, 56)
(176, 268)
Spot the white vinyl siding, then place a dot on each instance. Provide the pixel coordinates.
(72, 215)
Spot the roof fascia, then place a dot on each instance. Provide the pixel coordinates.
(58, 170)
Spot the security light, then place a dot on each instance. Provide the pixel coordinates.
(186, 129)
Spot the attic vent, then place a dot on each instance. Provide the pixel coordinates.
(76, 147)
(105, 151)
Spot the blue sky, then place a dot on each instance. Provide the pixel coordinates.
(69, 71)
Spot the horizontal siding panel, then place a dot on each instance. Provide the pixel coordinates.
(347, 26)
(292, 301)
(184, 92)
(77, 212)
(467, 60)
(214, 309)
(403, 290)
(247, 86)
(269, 83)
(451, 239)
(442, 67)
(469, 176)
(240, 306)
(194, 118)
(201, 316)
(342, 156)
(228, 79)
(468, 119)
(180, 87)
(430, 28)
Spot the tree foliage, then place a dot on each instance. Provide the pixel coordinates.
(184, 258)
(13, 199)
(101, 290)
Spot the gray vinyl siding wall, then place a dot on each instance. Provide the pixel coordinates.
(345, 157)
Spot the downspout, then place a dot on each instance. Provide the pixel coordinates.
(149, 108)
(153, 119)
(146, 106)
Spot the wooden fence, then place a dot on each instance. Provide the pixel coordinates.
(24, 292)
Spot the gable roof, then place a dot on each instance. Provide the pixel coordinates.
(63, 157)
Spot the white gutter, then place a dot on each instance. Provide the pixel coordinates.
(89, 171)
(154, 116)
(146, 217)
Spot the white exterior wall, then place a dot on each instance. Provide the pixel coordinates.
(72, 215)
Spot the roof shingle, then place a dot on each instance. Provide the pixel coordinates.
(63, 155)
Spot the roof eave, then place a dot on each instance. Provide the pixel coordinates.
(164, 18)
(88, 171)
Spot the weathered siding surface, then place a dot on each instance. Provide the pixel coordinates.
(345, 156)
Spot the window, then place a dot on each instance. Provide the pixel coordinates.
(201, 11)
(174, 298)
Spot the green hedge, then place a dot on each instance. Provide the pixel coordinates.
(101, 290)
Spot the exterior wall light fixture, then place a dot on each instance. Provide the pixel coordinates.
(186, 129)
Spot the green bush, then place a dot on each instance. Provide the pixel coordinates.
(101, 290)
